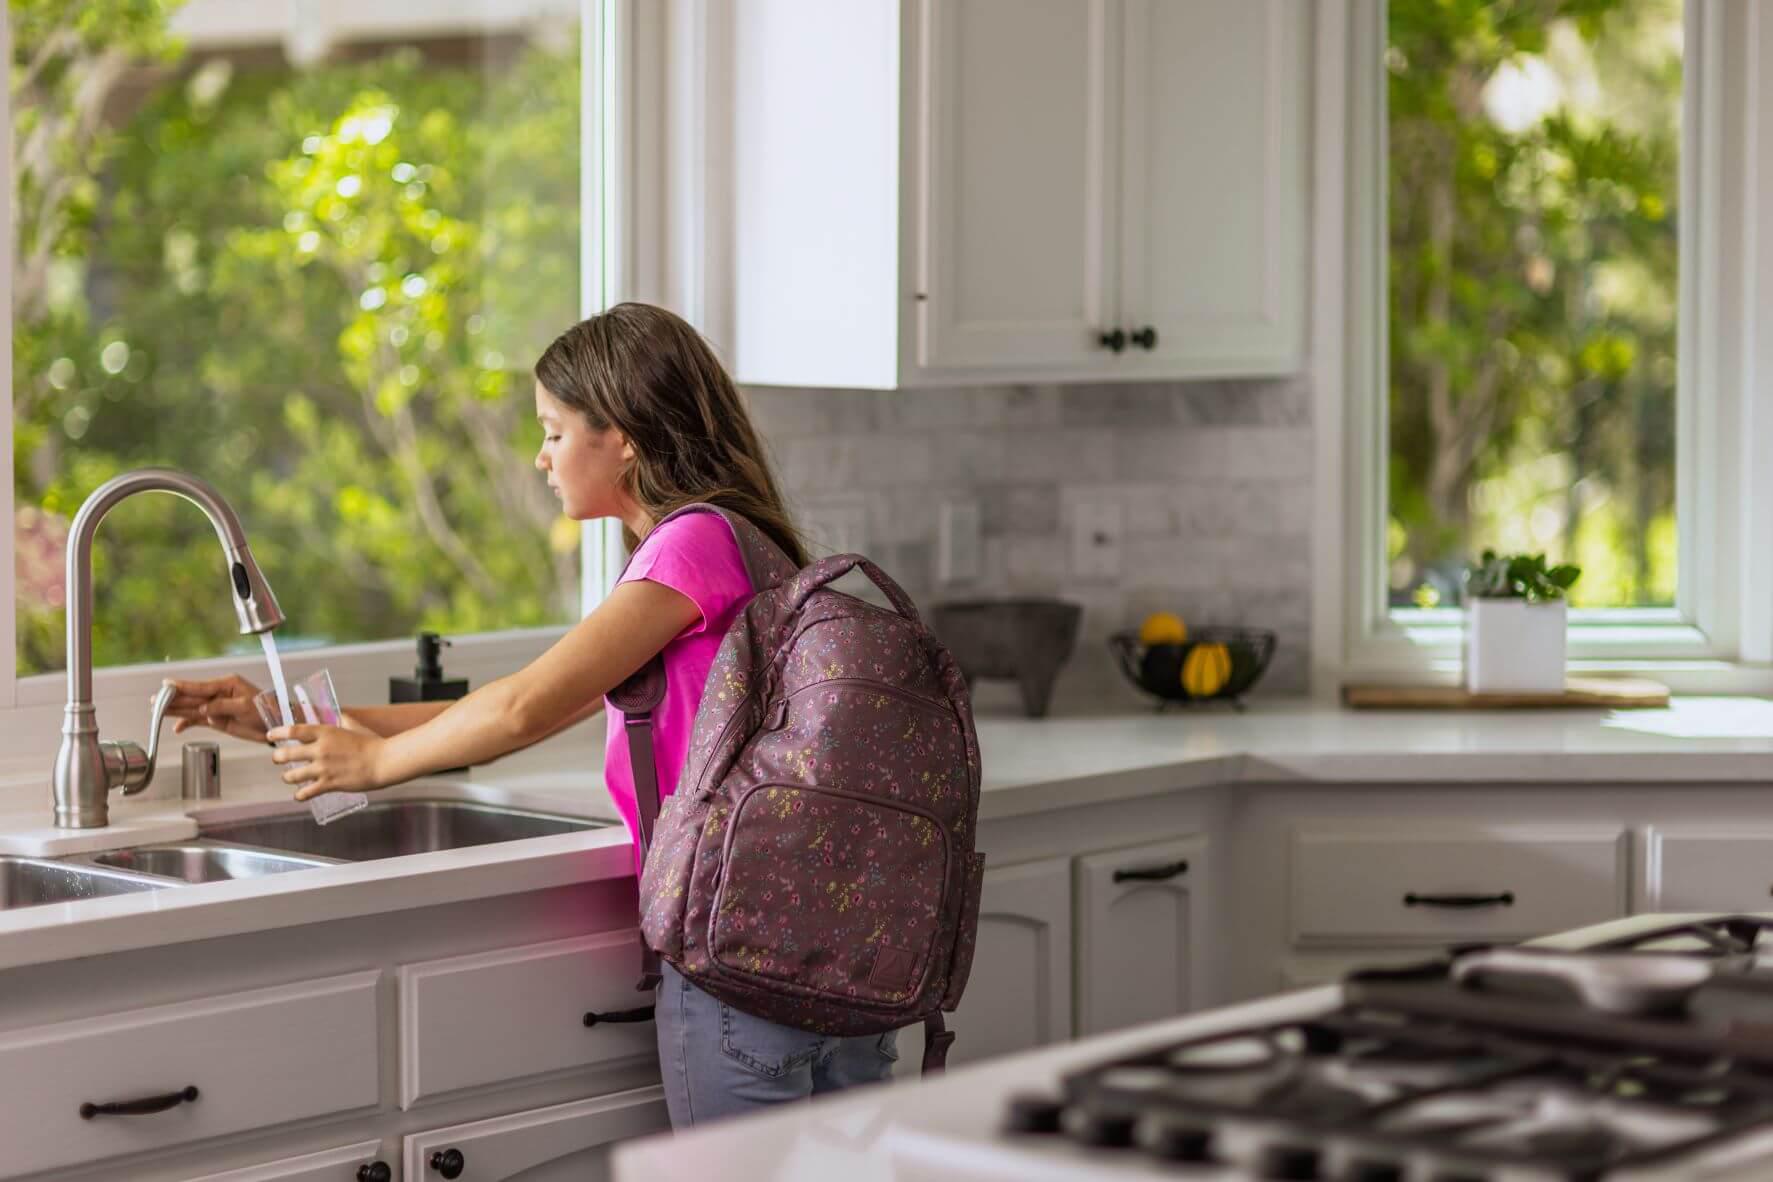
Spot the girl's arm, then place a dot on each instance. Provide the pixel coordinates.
(562, 686)
(385, 721)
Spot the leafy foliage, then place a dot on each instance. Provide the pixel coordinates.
(1533, 273)
(320, 290)
(1518, 576)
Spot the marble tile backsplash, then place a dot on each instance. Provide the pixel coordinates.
(1213, 480)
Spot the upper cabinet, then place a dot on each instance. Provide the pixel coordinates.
(933, 192)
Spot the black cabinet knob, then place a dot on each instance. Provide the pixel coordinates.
(375, 1171)
(1145, 338)
(1114, 341)
(449, 1162)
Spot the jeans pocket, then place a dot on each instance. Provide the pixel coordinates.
(888, 1046)
(766, 1047)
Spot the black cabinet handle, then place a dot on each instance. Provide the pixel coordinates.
(449, 1162)
(640, 1014)
(1152, 873)
(375, 1171)
(1145, 338)
(146, 1106)
(1114, 341)
(1459, 902)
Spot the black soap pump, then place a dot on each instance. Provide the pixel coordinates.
(427, 683)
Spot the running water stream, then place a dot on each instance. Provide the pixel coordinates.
(277, 683)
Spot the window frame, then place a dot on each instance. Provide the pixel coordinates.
(1719, 636)
(610, 126)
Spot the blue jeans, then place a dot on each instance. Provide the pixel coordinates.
(720, 1062)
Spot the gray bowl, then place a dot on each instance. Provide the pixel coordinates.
(1023, 640)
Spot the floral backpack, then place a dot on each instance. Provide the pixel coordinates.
(815, 866)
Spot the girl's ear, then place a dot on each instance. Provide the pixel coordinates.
(627, 451)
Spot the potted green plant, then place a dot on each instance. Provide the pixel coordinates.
(1515, 614)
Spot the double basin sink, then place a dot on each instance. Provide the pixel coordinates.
(273, 845)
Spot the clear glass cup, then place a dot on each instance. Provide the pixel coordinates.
(311, 700)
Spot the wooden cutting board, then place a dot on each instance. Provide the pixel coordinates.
(1614, 693)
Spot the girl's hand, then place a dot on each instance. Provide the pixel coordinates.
(224, 704)
(335, 759)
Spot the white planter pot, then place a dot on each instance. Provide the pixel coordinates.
(1512, 646)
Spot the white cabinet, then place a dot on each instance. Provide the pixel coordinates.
(1140, 913)
(1015, 249)
(163, 1076)
(468, 1021)
(930, 192)
(564, 1143)
(1690, 868)
(1212, 211)
(1442, 882)
(1019, 994)
(347, 1163)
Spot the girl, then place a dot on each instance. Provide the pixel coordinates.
(638, 418)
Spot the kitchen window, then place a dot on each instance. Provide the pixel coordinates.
(1548, 213)
(307, 252)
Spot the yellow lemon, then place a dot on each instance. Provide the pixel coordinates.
(1163, 628)
(1206, 670)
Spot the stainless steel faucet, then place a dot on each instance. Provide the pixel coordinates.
(87, 770)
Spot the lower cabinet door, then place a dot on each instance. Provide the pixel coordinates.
(347, 1163)
(564, 1143)
(1138, 916)
(1019, 993)
(1707, 869)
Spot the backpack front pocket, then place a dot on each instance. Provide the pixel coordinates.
(835, 892)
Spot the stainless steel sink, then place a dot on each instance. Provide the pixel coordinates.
(395, 828)
(201, 862)
(32, 882)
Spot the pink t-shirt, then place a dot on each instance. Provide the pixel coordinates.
(696, 555)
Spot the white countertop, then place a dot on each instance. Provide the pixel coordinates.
(1030, 766)
(938, 1130)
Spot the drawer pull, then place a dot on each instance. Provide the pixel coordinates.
(144, 1107)
(1459, 902)
(640, 1014)
(1153, 873)
(449, 1162)
(375, 1171)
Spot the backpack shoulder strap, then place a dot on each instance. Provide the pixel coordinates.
(765, 563)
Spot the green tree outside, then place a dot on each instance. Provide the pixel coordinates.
(1533, 282)
(322, 291)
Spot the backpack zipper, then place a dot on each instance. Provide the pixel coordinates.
(944, 708)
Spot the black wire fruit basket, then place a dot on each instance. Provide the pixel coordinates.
(1157, 668)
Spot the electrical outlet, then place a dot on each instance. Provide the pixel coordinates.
(837, 525)
(1098, 521)
(960, 543)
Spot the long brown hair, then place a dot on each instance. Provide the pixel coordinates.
(647, 373)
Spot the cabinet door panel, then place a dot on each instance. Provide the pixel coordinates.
(564, 1143)
(1015, 167)
(257, 1058)
(1138, 914)
(1213, 200)
(331, 1165)
(1019, 994)
(468, 1021)
(1707, 869)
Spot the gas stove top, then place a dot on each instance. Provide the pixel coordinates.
(1643, 1056)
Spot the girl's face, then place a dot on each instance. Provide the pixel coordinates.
(584, 465)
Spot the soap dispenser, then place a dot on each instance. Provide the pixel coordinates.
(427, 683)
